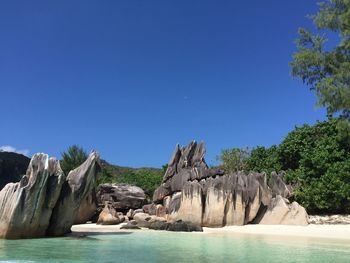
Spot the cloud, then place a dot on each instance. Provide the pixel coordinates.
(8, 148)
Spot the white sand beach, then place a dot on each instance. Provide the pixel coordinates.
(340, 232)
(313, 231)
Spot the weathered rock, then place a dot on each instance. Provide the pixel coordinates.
(130, 226)
(121, 196)
(144, 220)
(189, 207)
(154, 209)
(281, 212)
(278, 186)
(182, 226)
(87, 209)
(178, 226)
(137, 211)
(45, 202)
(191, 191)
(329, 219)
(77, 187)
(26, 207)
(130, 214)
(159, 225)
(108, 216)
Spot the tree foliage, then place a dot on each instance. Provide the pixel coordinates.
(146, 178)
(316, 160)
(234, 159)
(327, 70)
(72, 158)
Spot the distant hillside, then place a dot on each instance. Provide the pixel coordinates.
(12, 167)
(146, 178)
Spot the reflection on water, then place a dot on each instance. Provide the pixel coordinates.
(159, 246)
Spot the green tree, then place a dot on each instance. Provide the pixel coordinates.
(72, 158)
(327, 70)
(233, 160)
(315, 159)
(264, 159)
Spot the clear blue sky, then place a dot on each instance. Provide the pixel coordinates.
(133, 78)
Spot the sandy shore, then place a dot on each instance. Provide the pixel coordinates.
(340, 232)
(93, 228)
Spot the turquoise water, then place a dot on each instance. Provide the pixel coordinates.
(159, 246)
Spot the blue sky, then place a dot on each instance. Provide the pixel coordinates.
(133, 78)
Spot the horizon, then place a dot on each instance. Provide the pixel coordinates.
(132, 80)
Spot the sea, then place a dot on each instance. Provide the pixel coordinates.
(168, 247)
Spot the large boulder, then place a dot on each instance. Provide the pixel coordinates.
(281, 212)
(191, 191)
(108, 216)
(177, 226)
(45, 202)
(26, 207)
(121, 197)
(145, 220)
(79, 184)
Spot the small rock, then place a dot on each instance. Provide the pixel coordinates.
(130, 226)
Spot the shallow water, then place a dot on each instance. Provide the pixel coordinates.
(160, 246)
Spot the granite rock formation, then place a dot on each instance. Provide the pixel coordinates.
(78, 185)
(191, 191)
(109, 216)
(281, 212)
(121, 197)
(45, 201)
(87, 208)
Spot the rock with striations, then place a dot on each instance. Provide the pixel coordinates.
(87, 209)
(26, 207)
(78, 186)
(191, 191)
(45, 201)
(278, 186)
(121, 197)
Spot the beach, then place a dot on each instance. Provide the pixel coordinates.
(340, 232)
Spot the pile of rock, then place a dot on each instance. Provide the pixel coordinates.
(191, 191)
(137, 219)
(329, 219)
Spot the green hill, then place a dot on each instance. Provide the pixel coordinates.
(146, 178)
(12, 167)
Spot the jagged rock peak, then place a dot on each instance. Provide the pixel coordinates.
(191, 191)
(44, 201)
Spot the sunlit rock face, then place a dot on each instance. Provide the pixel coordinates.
(280, 211)
(191, 191)
(45, 201)
(26, 207)
(78, 186)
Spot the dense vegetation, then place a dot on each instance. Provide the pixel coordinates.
(326, 70)
(315, 159)
(146, 178)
